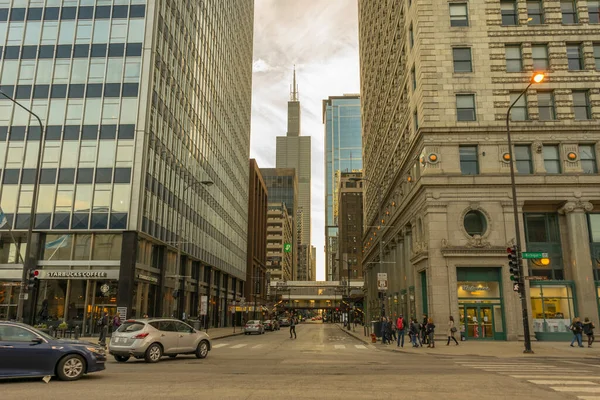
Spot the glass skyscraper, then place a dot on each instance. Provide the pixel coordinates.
(146, 113)
(343, 153)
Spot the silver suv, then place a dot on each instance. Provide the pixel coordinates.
(154, 338)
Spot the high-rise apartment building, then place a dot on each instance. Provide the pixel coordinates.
(350, 223)
(437, 80)
(255, 290)
(313, 264)
(143, 191)
(293, 151)
(282, 187)
(280, 231)
(343, 153)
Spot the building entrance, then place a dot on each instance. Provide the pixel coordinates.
(478, 322)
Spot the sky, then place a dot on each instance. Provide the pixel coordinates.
(321, 38)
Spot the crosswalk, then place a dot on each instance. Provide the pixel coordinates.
(263, 346)
(580, 381)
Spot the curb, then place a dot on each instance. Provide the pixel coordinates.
(225, 336)
(353, 336)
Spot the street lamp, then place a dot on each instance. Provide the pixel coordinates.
(347, 288)
(379, 195)
(180, 299)
(29, 255)
(536, 78)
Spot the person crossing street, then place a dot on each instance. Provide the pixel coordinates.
(293, 327)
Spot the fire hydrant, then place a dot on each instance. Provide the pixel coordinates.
(373, 338)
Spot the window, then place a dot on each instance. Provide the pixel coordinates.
(468, 160)
(552, 306)
(46, 51)
(587, 156)
(540, 57)
(519, 110)
(99, 50)
(475, 223)
(465, 107)
(535, 12)
(546, 106)
(551, 159)
(102, 12)
(594, 11)
(523, 159)
(116, 50)
(597, 55)
(41, 91)
(508, 9)
(581, 105)
(459, 14)
(68, 13)
(413, 76)
(86, 12)
(11, 333)
(569, 11)
(575, 56)
(462, 59)
(137, 11)
(133, 50)
(416, 120)
(411, 36)
(120, 11)
(513, 58)
(17, 14)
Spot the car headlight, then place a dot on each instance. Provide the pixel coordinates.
(96, 350)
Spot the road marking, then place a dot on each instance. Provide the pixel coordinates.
(574, 389)
(553, 376)
(216, 346)
(360, 346)
(238, 346)
(340, 346)
(258, 346)
(546, 382)
(580, 362)
(589, 397)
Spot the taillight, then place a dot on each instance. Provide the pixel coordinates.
(245, 326)
(141, 336)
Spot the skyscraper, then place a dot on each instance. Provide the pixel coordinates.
(343, 153)
(438, 80)
(293, 151)
(143, 191)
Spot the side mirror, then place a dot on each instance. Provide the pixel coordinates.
(37, 340)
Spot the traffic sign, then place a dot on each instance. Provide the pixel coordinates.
(382, 283)
(530, 255)
(516, 286)
(536, 278)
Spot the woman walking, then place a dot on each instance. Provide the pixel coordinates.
(451, 331)
(430, 332)
(576, 327)
(588, 329)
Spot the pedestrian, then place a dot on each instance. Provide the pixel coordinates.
(116, 323)
(451, 331)
(400, 329)
(383, 330)
(103, 324)
(423, 330)
(393, 329)
(588, 329)
(430, 329)
(292, 326)
(415, 332)
(576, 327)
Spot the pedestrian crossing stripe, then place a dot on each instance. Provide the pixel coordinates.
(265, 346)
(216, 346)
(557, 375)
(359, 346)
(554, 382)
(258, 346)
(575, 389)
(340, 346)
(238, 346)
(588, 397)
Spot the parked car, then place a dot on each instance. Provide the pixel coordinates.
(28, 352)
(153, 338)
(269, 325)
(284, 322)
(254, 326)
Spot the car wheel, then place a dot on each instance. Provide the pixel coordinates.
(121, 358)
(202, 349)
(153, 353)
(70, 368)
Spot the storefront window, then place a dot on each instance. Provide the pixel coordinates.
(543, 235)
(594, 228)
(107, 247)
(552, 308)
(58, 247)
(83, 245)
(51, 300)
(8, 251)
(9, 294)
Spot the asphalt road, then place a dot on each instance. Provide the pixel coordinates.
(323, 363)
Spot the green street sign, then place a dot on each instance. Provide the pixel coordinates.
(534, 255)
(287, 247)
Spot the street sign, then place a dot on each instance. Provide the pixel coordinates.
(536, 278)
(203, 305)
(382, 283)
(122, 313)
(287, 247)
(23, 296)
(529, 255)
(516, 286)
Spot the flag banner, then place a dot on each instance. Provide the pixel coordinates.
(3, 220)
(62, 241)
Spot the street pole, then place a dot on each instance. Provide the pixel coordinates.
(30, 257)
(522, 292)
(381, 245)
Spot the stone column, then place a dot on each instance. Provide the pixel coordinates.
(578, 262)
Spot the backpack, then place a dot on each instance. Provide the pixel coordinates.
(400, 324)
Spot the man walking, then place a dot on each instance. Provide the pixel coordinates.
(292, 326)
(103, 324)
(400, 331)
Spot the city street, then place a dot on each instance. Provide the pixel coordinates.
(324, 363)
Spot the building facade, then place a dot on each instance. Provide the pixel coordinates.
(255, 290)
(280, 231)
(282, 186)
(350, 222)
(436, 86)
(313, 264)
(143, 191)
(343, 153)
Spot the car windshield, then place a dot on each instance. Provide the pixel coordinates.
(41, 334)
(131, 326)
(255, 322)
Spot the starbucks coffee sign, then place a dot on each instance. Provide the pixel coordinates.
(74, 274)
(471, 288)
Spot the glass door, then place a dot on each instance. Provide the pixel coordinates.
(478, 322)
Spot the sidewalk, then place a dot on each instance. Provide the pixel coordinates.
(501, 349)
(214, 333)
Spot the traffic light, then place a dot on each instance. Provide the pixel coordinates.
(513, 263)
(32, 277)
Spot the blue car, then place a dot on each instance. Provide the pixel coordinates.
(27, 352)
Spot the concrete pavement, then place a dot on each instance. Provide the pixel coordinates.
(486, 348)
(322, 363)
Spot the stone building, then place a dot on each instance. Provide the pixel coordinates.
(437, 80)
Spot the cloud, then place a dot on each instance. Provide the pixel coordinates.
(321, 39)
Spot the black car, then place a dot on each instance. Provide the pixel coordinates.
(27, 352)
